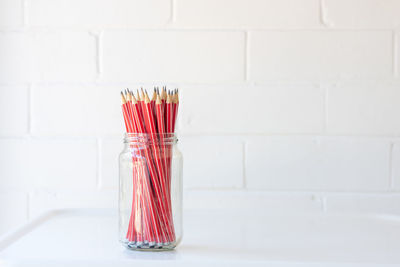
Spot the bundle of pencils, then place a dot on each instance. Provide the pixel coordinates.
(151, 124)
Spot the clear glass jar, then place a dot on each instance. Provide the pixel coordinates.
(150, 192)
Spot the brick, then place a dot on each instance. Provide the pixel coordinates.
(41, 201)
(13, 153)
(109, 174)
(13, 210)
(364, 14)
(68, 56)
(173, 56)
(47, 57)
(363, 109)
(318, 55)
(242, 14)
(13, 110)
(82, 111)
(311, 163)
(354, 203)
(52, 164)
(236, 109)
(15, 57)
(270, 203)
(99, 13)
(212, 162)
(64, 164)
(11, 13)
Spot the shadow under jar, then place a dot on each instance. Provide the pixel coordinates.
(150, 192)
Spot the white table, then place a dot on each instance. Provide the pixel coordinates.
(211, 238)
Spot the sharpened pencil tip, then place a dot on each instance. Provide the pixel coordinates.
(158, 100)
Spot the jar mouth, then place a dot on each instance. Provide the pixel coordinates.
(146, 138)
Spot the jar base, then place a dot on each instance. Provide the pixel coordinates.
(145, 246)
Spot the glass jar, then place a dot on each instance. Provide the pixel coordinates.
(150, 192)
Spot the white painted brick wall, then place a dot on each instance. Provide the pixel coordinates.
(320, 55)
(317, 163)
(99, 13)
(252, 109)
(362, 14)
(363, 109)
(53, 164)
(66, 56)
(245, 14)
(110, 149)
(16, 60)
(173, 56)
(11, 13)
(47, 57)
(356, 203)
(287, 105)
(212, 162)
(12, 156)
(273, 203)
(13, 100)
(93, 113)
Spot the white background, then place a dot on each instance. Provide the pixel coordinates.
(286, 105)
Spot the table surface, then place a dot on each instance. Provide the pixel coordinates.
(215, 238)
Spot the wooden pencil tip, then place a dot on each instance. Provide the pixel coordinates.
(142, 95)
(154, 96)
(123, 98)
(175, 98)
(158, 100)
(146, 98)
(133, 99)
(138, 95)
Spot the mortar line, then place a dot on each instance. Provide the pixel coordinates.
(322, 15)
(294, 192)
(188, 29)
(173, 11)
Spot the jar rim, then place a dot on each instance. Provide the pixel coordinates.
(145, 138)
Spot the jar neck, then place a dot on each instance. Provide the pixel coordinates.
(149, 139)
